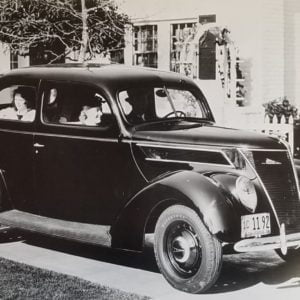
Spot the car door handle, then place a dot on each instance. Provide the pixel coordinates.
(38, 145)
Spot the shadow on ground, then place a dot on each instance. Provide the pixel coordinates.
(239, 271)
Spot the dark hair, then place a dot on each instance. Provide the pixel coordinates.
(28, 93)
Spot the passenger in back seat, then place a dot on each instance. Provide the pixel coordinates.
(90, 116)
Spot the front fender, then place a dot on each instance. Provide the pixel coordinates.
(185, 187)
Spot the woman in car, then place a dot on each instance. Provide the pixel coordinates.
(21, 109)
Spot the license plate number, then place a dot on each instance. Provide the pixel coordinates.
(255, 225)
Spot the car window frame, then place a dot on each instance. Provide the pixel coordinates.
(77, 129)
(6, 82)
(194, 90)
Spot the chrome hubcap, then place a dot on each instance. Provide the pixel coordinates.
(183, 248)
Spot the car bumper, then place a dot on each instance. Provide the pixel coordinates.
(281, 241)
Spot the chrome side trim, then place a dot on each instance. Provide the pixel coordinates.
(137, 165)
(228, 160)
(175, 146)
(17, 131)
(262, 150)
(212, 148)
(267, 243)
(35, 133)
(77, 137)
(188, 147)
(186, 162)
(262, 185)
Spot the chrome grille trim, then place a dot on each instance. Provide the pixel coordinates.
(282, 191)
(262, 185)
(295, 173)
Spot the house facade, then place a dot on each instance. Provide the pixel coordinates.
(242, 53)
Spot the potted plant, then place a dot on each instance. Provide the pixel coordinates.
(280, 107)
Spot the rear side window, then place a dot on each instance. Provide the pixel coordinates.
(17, 103)
(74, 105)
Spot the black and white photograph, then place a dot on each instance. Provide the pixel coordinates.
(150, 149)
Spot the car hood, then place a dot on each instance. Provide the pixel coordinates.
(206, 134)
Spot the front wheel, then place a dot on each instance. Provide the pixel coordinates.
(187, 254)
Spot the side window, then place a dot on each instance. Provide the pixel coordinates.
(17, 102)
(75, 104)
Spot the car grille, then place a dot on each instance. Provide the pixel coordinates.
(277, 174)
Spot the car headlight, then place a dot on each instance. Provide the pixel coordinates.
(246, 193)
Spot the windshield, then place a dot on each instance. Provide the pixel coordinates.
(144, 104)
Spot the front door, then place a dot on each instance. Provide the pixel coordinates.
(81, 167)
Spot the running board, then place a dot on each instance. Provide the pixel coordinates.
(86, 233)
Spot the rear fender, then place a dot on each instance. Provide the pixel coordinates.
(187, 188)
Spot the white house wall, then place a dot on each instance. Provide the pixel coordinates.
(258, 28)
(295, 69)
(23, 61)
(272, 41)
(292, 50)
(4, 59)
(164, 48)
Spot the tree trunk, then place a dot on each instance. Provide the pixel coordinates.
(84, 35)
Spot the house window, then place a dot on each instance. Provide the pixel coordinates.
(13, 60)
(204, 19)
(182, 51)
(145, 45)
(207, 56)
(117, 56)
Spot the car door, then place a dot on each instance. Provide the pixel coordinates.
(81, 167)
(17, 128)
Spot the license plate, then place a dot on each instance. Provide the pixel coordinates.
(255, 225)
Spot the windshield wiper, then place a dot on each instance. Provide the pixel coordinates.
(170, 101)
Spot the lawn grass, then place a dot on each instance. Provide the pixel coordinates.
(20, 281)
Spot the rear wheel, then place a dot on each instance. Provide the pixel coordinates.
(187, 254)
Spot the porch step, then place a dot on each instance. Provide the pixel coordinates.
(86, 233)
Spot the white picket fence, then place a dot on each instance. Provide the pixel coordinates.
(285, 131)
(257, 121)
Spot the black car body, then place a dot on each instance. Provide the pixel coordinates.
(167, 170)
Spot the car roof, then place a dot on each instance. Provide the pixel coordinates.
(112, 76)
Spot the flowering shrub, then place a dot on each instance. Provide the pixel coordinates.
(280, 107)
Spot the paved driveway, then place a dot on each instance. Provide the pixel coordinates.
(247, 276)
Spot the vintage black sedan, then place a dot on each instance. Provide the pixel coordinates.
(107, 154)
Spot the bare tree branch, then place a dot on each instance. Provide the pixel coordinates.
(92, 26)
